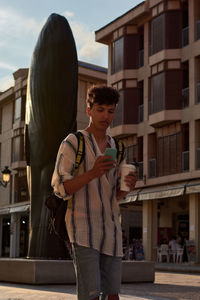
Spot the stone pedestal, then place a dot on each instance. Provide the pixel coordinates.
(33, 271)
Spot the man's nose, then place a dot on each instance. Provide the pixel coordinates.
(106, 114)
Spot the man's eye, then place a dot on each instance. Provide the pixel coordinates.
(111, 111)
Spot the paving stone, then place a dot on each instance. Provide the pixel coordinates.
(167, 286)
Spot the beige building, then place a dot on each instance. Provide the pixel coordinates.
(14, 202)
(154, 61)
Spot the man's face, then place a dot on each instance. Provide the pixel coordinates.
(101, 116)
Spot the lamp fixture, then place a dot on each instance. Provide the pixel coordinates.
(5, 176)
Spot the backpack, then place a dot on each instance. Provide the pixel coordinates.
(57, 206)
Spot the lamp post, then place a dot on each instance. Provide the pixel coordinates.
(5, 176)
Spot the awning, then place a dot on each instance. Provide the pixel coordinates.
(14, 209)
(193, 188)
(130, 198)
(162, 192)
(165, 191)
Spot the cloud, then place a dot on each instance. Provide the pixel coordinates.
(6, 82)
(18, 36)
(4, 65)
(68, 14)
(15, 25)
(88, 49)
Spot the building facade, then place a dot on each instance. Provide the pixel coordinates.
(154, 62)
(14, 200)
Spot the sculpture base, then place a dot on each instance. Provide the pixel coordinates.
(35, 271)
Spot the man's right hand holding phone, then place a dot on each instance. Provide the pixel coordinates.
(103, 165)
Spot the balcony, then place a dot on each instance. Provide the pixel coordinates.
(198, 158)
(185, 161)
(185, 36)
(152, 168)
(185, 97)
(141, 113)
(198, 93)
(163, 117)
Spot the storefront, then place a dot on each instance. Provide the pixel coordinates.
(167, 211)
(14, 231)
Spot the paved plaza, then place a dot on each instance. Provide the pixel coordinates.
(166, 286)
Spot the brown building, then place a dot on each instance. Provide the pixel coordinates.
(154, 62)
(14, 202)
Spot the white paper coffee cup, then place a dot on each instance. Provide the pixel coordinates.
(125, 170)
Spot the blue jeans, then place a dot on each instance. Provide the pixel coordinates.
(96, 273)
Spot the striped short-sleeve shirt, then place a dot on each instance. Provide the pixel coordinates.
(93, 218)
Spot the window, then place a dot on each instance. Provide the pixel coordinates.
(157, 93)
(152, 155)
(169, 154)
(141, 103)
(119, 112)
(131, 154)
(158, 34)
(17, 148)
(18, 108)
(185, 28)
(141, 46)
(118, 55)
(140, 156)
(198, 30)
(20, 188)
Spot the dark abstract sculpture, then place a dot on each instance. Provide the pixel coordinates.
(50, 116)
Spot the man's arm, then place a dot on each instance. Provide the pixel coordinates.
(100, 168)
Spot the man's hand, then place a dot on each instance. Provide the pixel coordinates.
(130, 180)
(103, 165)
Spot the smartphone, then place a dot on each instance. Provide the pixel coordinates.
(111, 152)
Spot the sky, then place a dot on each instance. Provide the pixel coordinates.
(22, 20)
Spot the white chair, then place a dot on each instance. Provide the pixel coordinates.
(163, 250)
(179, 254)
(172, 253)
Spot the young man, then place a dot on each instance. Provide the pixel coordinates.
(92, 217)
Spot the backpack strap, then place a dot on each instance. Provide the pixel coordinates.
(120, 150)
(80, 153)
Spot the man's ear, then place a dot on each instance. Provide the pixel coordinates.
(88, 111)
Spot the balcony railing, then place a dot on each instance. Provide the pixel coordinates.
(141, 58)
(185, 161)
(141, 113)
(185, 36)
(185, 97)
(198, 30)
(152, 168)
(198, 93)
(198, 158)
(140, 170)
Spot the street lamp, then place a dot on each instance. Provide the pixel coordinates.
(5, 176)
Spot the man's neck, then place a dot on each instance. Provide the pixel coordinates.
(98, 134)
